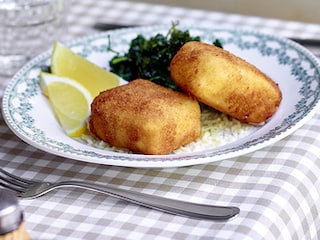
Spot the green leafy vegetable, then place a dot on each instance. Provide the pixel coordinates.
(150, 58)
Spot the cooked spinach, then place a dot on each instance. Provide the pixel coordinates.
(150, 58)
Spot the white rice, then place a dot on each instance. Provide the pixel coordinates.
(217, 129)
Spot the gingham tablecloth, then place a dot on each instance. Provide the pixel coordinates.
(277, 188)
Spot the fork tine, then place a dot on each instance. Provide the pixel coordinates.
(4, 183)
(19, 179)
(14, 188)
(13, 182)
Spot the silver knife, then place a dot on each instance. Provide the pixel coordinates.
(109, 26)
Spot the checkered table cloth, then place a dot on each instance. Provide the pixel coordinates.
(277, 188)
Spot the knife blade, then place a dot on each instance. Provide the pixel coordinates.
(307, 41)
(104, 26)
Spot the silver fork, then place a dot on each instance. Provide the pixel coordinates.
(25, 188)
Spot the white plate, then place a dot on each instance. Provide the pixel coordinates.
(295, 69)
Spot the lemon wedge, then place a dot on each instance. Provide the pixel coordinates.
(69, 100)
(66, 63)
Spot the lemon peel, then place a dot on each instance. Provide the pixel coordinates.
(69, 100)
(66, 63)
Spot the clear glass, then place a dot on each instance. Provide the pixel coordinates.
(27, 27)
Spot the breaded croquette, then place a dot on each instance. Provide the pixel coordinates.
(225, 82)
(145, 118)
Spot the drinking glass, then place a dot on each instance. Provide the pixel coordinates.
(27, 27)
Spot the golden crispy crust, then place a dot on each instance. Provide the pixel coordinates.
(225, 82)
(145, 117)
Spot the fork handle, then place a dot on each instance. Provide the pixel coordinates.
(177, 207)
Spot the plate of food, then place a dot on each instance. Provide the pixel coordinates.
(293, 71)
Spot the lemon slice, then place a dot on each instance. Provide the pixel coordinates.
(69, 100)
(66, 63)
